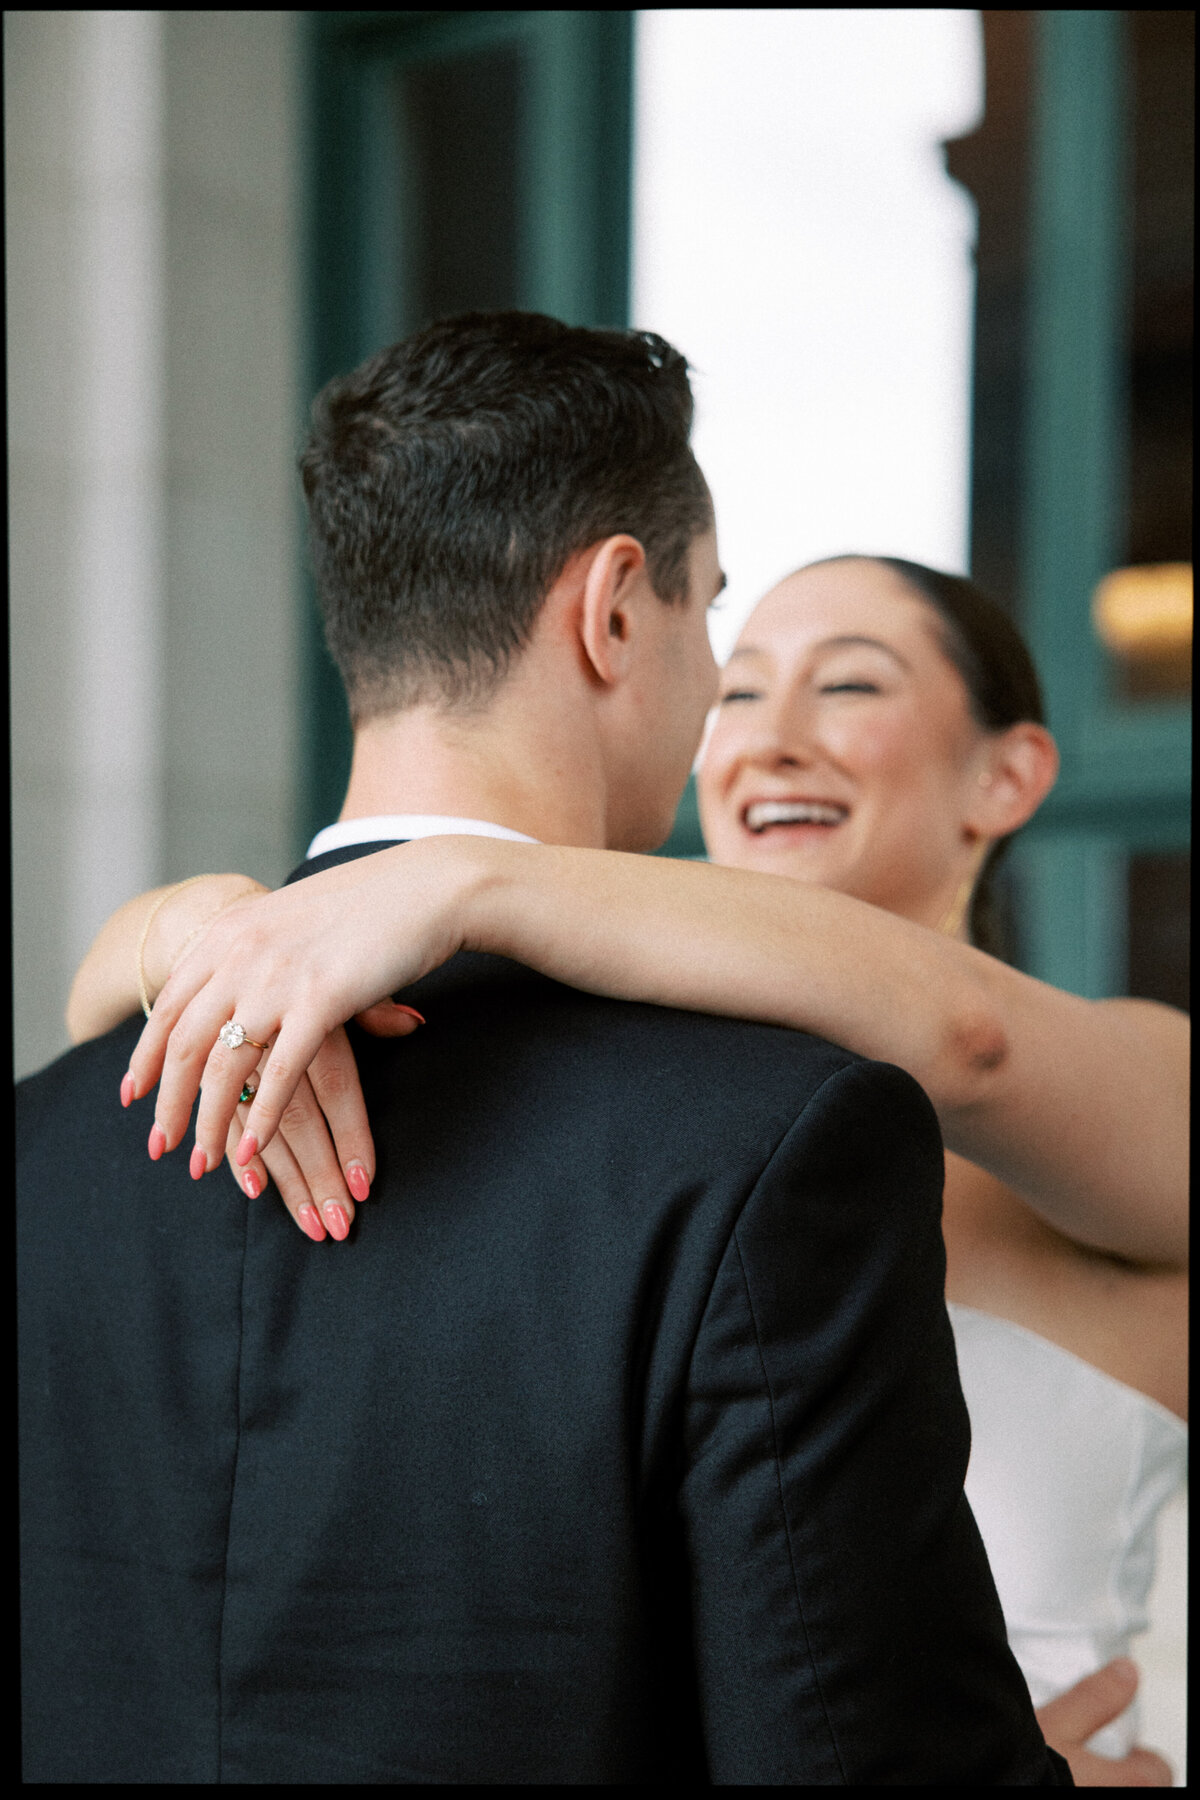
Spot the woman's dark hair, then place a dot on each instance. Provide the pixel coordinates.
(450, 478)
(1002, 687)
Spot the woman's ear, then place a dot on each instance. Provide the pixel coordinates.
(609, 606)
(1018, 769)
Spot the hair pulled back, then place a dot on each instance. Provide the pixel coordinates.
(1002, 687)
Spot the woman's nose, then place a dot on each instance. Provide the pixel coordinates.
(780, 738)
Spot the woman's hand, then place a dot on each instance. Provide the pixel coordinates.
(323, 1158)
(143, 941)
(1070, 1720)
(291, 968)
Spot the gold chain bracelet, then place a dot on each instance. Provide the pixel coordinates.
(150, 917)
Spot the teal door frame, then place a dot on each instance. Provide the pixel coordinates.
(1125, 782)
(576, 186)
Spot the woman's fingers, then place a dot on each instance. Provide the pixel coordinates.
(253, 1178)
(1069, 1720)
(149, 1053)
(327, 1159)
(295, 1048)
(1094, 1701)
(285, 1173)
(387, 1018)
(306, 1137)
(333, 1074)
(197, 1059)
(185, 982)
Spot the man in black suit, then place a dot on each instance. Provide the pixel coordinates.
(622, 1442)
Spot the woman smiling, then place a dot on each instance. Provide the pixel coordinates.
(878, 740)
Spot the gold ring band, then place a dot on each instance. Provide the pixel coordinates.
(233, 1036)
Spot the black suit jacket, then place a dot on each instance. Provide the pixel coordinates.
(621, 1442)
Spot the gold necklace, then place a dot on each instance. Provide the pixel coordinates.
(951, 925)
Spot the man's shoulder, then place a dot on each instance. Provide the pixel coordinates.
(495, 1027)
(473, 987)
(82, 1084)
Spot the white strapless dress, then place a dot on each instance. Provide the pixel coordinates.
(1069, 1470)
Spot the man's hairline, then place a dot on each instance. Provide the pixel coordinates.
(466, 706)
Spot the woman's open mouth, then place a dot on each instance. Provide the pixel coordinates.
(761, 816)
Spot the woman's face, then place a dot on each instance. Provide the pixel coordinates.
(843, 751)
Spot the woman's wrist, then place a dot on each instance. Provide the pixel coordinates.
(145, 934)
(486, 878)
(183, 917)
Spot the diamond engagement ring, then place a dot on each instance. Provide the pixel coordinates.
(233, 1036)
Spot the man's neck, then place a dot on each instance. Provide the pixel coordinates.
(427, 761)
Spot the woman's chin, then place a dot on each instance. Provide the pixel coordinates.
(816, 853)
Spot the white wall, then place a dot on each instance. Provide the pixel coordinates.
(151, 167)
(797, 237)
(84, 251)
(235, 407)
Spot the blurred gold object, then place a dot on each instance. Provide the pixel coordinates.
(1145, 612)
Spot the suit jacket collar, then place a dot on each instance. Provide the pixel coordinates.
(331, 859)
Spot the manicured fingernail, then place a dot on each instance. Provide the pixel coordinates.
(356, 1180)
(247, 1148)
(338, 1223)
(310, 1223)
(197, 1164)
(158, 1142)
(127, 1090)
(411, 1011)
(252, 1184)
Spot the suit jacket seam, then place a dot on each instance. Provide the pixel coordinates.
(732, 1241)
(813, 1664)
(237, 1442)
(748, 1198)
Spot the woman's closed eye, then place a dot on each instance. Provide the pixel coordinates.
(850, 687)
(740, 694)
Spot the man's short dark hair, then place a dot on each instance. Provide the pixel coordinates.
(450, 478)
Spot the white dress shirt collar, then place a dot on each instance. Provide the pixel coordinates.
(386, 826)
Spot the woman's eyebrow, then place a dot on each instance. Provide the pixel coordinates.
(837, 643)
(831, 643)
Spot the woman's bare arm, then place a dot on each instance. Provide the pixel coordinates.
(1080, 1106)
(105, 989)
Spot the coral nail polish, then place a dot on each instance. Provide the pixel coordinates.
(411, 1011)
(356, 1180)
(127, 1090)
(158, 1142)
(247, 1148)
(252, 1184)
(310, 1223)
(338, 1223)
(197, 1164)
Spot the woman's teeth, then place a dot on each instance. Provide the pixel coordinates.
(792, 812)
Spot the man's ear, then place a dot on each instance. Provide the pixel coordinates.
(615, 580)
(1019, 768)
